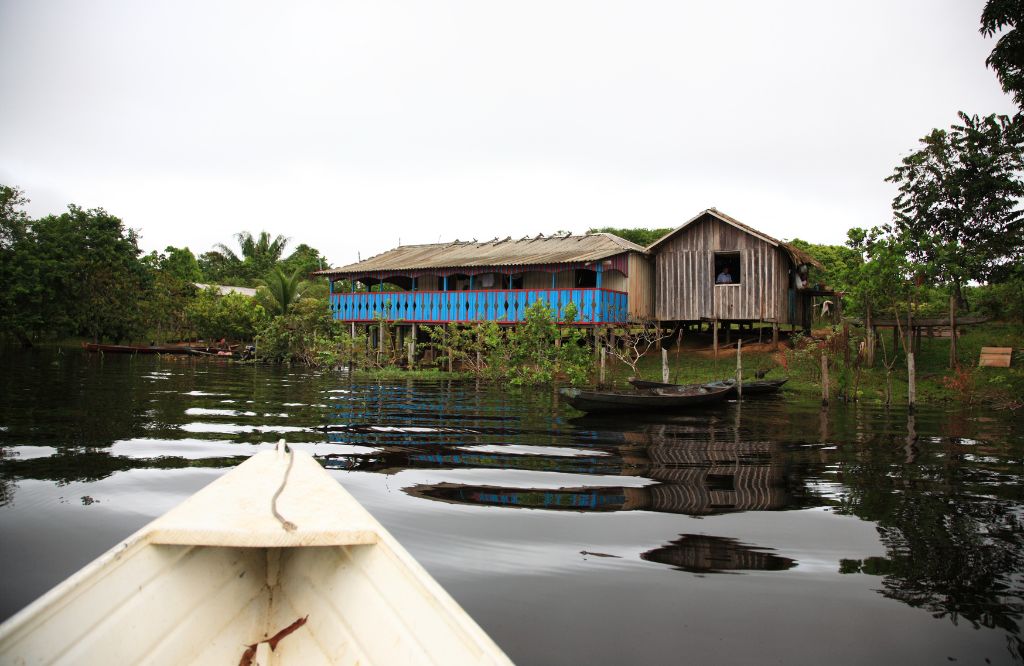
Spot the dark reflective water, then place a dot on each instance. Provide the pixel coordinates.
(764, 532)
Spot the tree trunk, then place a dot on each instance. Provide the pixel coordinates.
(869, 332)
(954, 359)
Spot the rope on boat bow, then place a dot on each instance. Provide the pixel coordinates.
(288, 525)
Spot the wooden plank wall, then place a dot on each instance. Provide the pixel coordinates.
(640, 287)
(685, 286)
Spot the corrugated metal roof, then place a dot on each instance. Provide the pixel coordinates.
(523, 252)
(796, 254)
(224, 289)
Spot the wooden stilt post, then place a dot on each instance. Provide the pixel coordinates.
(664, 365)
(714, 336)
(824, 381)
(775, 335)
(600, 380)
(739, 368)
(415, 336)
(911, 382)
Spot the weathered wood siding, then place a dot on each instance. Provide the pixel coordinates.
(685, 276)
(640, 287)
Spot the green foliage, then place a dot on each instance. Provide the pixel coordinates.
(957, 209)
(78, 273)
(304, 259)
(640, 236)
(164, 303)
(1006, 59)
(232, 316)
(278, 292)
(181, 264)
(259, 255)
(842, 264)
(537, 351)
(13, 220)
(308, 334)
(1002, 301)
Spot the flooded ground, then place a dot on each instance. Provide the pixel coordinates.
(763, 532)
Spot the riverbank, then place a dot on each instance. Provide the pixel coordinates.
(999, 388)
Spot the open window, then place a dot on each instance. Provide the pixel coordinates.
(727, 268)
(585, 278)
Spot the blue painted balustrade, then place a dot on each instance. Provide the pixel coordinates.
(593, 306)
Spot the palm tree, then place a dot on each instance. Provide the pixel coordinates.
(278, 291)
(259, 254)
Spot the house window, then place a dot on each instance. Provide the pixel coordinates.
(585, 279)
(727, 268)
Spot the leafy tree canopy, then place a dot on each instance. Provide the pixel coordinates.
(304, 259)
(640, 236)
(957, 206)
(1007, 57)
(258, 255)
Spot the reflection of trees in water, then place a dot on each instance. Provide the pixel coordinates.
(953, 532)
(699, 553)
(84, 466)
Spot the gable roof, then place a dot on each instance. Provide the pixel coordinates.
(539, 250)
(796, 255)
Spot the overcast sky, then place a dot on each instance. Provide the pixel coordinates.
(356, 126)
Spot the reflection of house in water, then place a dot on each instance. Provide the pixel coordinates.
(699, 478)
(700, 553)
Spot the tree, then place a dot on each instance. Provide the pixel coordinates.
(304, 258)
(233, 316)
(957, 202)
(181, 264)
(1007, 57)
(258, 256)
(14, 268)
(640, 236)
(278, 291)
(13, 220)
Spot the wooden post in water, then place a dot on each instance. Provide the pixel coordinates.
(911, 382)
(824, 380)
(415, 335)
(600, 380)
(664, 365)
(954, 360)
(739, 368)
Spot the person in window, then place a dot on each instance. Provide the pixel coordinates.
(724, 277)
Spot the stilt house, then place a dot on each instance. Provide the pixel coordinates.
(715, 268)
(607, 278)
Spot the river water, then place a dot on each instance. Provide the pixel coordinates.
(768, 531)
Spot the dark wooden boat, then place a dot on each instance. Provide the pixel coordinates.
(655, 399)
(755, 387)
(154, 349)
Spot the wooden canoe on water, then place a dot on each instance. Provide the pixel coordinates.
(655, 399)
(221, 580)
(755, 387)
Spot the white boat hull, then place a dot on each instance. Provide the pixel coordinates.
(217, 576)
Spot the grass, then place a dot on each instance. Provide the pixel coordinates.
(936, 382)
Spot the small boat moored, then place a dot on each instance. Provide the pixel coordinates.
(755, 387)
(273, 563)
(654, 399)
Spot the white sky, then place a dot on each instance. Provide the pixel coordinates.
(353, 126)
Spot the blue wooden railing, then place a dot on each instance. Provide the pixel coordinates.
(593, 306)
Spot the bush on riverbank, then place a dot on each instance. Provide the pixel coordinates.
(800, 360)
(538, 351)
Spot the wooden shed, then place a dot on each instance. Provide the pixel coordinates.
(715, 268)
